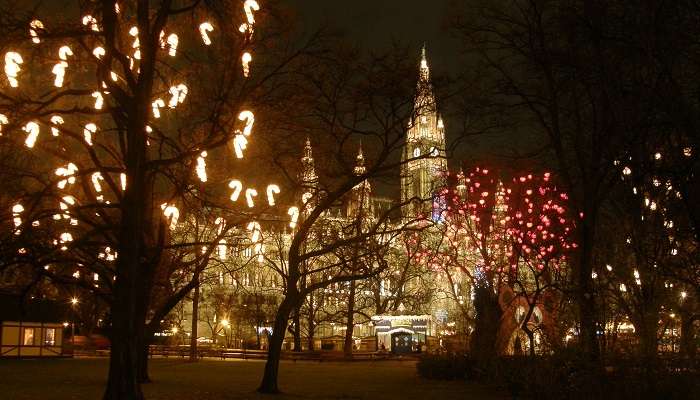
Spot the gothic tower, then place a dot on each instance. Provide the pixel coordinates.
(360, 204)
(423, 160)
(308, 178)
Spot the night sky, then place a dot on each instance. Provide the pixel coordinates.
(374, 24)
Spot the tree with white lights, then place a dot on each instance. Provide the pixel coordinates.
(131, 117)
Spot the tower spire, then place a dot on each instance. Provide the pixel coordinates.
(309, 179)
(424, 69)
(424, 153)
(360, 202)
(359, 162)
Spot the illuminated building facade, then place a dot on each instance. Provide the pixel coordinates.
(405, 322)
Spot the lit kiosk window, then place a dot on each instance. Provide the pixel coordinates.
(50, 337)
(28, 337)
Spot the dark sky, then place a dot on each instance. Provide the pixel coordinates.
(376, 23)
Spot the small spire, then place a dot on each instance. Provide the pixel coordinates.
(308, 172)
(423, 59)
(461, 181)
(360, 162)
(307, 148)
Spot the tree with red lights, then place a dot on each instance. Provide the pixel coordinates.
(471, 248)
(540, 229)
(497, 239)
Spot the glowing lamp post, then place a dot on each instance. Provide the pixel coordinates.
(73, 302)
(225, 324)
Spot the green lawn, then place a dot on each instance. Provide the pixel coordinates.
(175, 379)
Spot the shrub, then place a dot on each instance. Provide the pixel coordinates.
(567, 376)
(445, 367)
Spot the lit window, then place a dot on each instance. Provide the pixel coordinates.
(537, 314)
(520, 314)
(416, 152)
(28, 337)
(50, 337)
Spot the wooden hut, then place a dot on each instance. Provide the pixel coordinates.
(31, 328)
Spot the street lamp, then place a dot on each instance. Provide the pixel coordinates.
(225, 324)
(73, 302)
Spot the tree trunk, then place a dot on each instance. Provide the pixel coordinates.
(195, 321)
(123, 381)
(134, 276)
(311, 325)
(647, 332)
(274, 350)
(531, 339)
(687, 340)
(143, 359)
(350, 325)
(297, 329)
(585, 300)
(487, 322)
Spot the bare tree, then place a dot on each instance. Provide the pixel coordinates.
(138, 107)
(584, 79)
(355, 98)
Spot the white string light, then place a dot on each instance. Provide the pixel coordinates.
(88, 131)
(249, 119)
(172, 44)
(249, 194)
(178, 94)
(17, 210)
(239, 144)
(3, 121)
(98, 52)
(201, 168)
(12, 67)
(293, 212)
(32, 128)
(272, 190)
(56, 120)
(67, 172)
(171, 213)
(157, 104)
(60, 71)
(90, 20)
(98, 100)
(33, 26)
(237, 187)
(246, 58)
(204, 28)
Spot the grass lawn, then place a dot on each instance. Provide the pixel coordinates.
(175, 379)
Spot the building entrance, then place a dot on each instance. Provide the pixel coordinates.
(401, 343)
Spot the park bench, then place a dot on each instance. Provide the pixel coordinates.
(243, 354)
